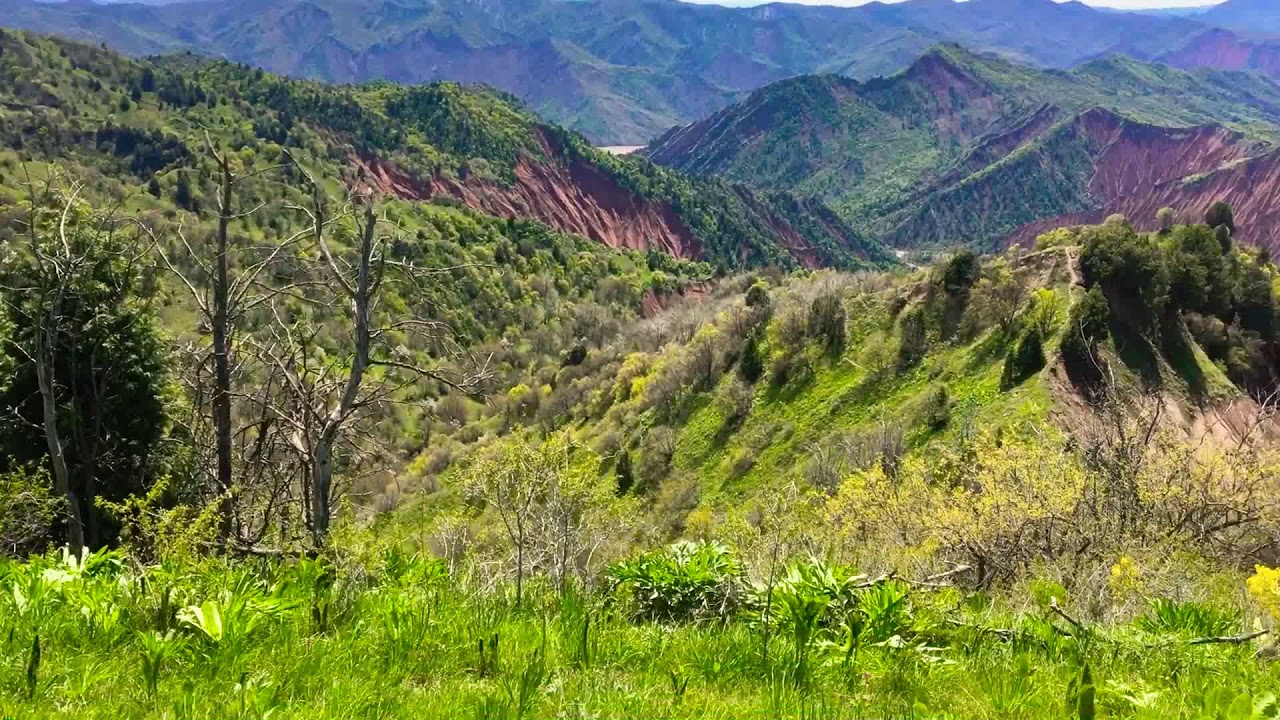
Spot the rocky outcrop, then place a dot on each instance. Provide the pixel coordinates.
(1140, 169)
(575, 197)
(1226, 50)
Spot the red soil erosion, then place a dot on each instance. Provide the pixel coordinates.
(1226, 50)
(569, 195)
(1141, 169)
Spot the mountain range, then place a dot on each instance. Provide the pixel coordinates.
(120, 124)
(623, 71)
(968, 149)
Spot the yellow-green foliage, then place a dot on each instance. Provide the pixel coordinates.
(1264, 587)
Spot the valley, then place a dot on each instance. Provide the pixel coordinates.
(623, 73)
(358, 361)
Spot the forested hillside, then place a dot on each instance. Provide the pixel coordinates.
(961, 149)
(476, 146)
(393, 402)
(622, 73)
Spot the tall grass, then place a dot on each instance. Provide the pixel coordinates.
(397, 638)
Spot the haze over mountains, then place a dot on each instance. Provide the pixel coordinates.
(623, 71)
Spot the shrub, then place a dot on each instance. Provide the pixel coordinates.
(28, 511)
(1189, 618)
(686, 582)
(827, 323)
(960, 273)
(656, 451)
(1026, 360)
(734, 401)
(913, 342)
(1086, 327)
(1129, 268)
(1044, 314)
(1264, 588)
(758, 295)
(935, 409)
(623, 474)
(751, 364)
(1219, 214)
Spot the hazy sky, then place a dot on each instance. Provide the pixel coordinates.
(1130, 4)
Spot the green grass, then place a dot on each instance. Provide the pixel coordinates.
(844, 395)
(394, 637)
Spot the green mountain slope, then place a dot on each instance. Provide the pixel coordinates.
(761, 383)
(621, 72)
(965, 149)
(478, 146)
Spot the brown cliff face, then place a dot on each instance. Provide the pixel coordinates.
(571, 196)
(1137, 157)
(1251, 187)
(1226, 50)
(1141, 169)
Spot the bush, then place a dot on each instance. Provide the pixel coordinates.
(1189, 618)
(686, 582)
(27, 512)
(734, 401)
(751, 364)
(1044, 315)
(1218, 215)
(827, 323)
(1087, 326)
(935, 409)
(1129, 268)
(623, 473)
(1026, 360)
(758, 295)
(656, 452)
(913, 344)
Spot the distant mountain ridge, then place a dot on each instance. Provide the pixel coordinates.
(623, 71)
(964, 149)
(66, 102)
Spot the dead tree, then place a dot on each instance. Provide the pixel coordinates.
(222, 300)
(58, 270)
(328, 392)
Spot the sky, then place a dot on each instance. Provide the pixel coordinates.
(1123, 4)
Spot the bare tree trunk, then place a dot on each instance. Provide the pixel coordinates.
(321, 489)
(222, 357)
(361, 296)
(519, 561)
(49, 402)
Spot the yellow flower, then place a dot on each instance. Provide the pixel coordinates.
(1126, 577)
(1264, 586)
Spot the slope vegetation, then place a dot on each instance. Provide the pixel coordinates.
(477, 146)
(966, 149)
(623, 72)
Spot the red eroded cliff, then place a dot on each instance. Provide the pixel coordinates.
(1218, 48)
(1135, 158)
(1251, 186)
(569, 195)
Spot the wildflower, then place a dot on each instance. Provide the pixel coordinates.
(1126, 578)
(1264, 587)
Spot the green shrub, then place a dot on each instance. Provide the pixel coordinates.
(1188, 618)
(935, 409)
(1087, 326)
(686, 582)
(827, 323)
(751, 364)
(913, 342)
(1026, 360)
